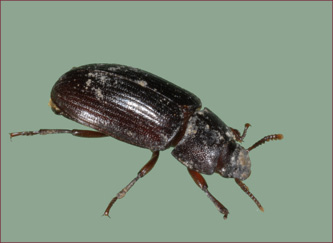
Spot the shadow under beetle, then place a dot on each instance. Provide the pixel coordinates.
(142, 109)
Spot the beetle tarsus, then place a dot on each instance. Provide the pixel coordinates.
(74, 132)
(217, 204)
(26, 133)
(201, 182)
(144, 171)
(107, 210)
(240, 138)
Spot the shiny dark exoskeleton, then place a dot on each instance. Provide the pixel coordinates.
(126, 103)
(145, 110)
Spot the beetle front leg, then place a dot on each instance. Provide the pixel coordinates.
(201, 182)
(144, 171)
(240, 138)
(74, 132)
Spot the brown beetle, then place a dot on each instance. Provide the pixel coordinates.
(145, 110)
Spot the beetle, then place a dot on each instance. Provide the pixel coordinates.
(142, 109)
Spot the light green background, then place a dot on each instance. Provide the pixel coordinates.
(266, 63)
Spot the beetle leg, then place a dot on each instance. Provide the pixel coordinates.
(74, 132)
(246, 190)
(200, 181)
(144, 171)
(240, 138)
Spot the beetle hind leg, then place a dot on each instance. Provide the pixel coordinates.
(144, 171)
(74, 132)
(201, 182)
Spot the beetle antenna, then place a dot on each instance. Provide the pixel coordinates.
(266, 139)
(246, 190)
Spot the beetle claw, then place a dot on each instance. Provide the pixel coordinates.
(106, 214)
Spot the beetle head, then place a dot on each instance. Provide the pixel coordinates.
(235, 162)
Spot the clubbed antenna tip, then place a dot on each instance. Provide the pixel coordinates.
(266, 139)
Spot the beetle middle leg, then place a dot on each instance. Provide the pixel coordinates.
(238, 136)
(144, 171)
(201, 182)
